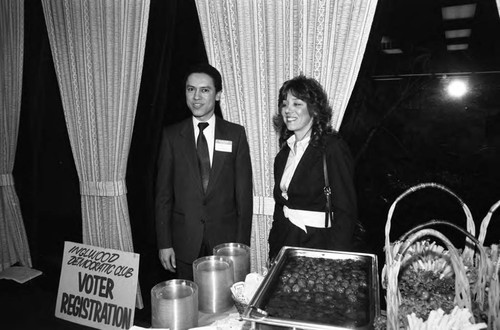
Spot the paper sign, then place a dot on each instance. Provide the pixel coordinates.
(98, 286)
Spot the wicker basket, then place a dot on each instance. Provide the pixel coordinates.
(238, 295)
(469, 255)
(494, 299)
(468, 252)
(492, 281)
(399, 248)
(396, 253)
(479, 265)
(493, 256)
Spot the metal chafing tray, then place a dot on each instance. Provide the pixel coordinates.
(256, 310)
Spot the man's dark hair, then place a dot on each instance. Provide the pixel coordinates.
(206, 69)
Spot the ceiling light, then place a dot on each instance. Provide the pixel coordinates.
(458, 12)
(385, 40)
(457, 88)
(463, 33)
(389, 46)
(457, 47)
(392, 51)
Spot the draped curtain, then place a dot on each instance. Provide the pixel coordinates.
(257, 45)
(98, 51)
(13, 241)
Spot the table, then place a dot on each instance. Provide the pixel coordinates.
(229, 320)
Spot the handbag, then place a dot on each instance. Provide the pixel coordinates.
(360, 235)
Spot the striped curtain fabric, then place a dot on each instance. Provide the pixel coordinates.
(257, 45)
(98, 51)
(13, 241)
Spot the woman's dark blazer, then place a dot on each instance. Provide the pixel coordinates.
(305, 191)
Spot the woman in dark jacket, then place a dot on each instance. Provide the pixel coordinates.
(303, 123)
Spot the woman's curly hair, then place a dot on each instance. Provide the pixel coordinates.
(310, 91)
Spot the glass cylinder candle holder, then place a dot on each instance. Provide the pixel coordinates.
(174, 305)
(240, 255)
(214, 276)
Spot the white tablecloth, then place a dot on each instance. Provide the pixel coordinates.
(229, 320)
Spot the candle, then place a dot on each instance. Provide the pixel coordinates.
(239, 254)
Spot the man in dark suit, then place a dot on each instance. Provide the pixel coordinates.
(203, 195)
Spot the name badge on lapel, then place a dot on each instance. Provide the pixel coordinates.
(224, 145)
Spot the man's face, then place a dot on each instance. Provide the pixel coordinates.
(201, 95)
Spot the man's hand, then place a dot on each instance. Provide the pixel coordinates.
(167, 259)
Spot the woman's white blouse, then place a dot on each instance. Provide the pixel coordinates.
(296, 152)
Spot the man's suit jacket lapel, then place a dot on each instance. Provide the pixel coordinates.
(189, 146)
(221, 133)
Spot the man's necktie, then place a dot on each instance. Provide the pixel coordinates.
(203, 156)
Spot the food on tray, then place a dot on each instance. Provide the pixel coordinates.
(331, 291)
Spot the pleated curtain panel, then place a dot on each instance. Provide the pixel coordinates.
(98, 51)
(14, 246)
(259, 44)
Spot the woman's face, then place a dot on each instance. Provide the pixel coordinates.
(296, 116)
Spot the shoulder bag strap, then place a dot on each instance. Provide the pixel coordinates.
(328, 194)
